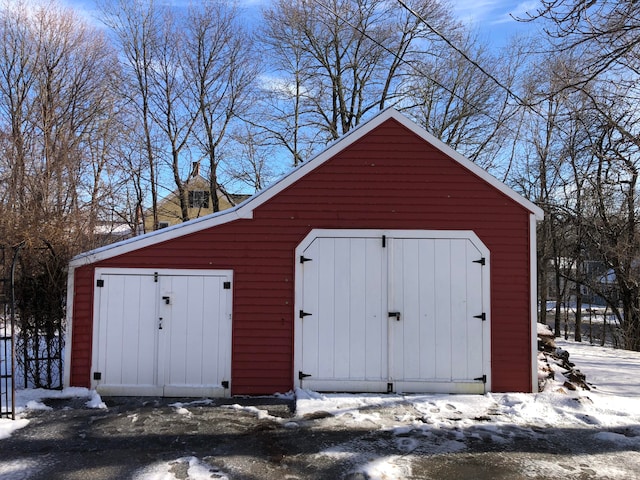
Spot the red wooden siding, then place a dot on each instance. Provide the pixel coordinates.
(389, 179)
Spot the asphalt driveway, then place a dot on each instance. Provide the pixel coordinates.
(262, 438)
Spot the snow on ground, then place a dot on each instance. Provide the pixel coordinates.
(614, 372)
(192, 467)
(31, 399)
(420, 426)
(611, 410)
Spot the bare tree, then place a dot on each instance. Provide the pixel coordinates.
(603, 39)
(55, 79)
(172, 110)
(540, 175)
(343, 59)
(136, 27)
(17, 71)
(460, 104)
(220, 67)
(253, 167)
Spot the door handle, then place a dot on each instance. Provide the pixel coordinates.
(167, 300)
(395, 314)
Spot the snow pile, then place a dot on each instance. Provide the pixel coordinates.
(186, 467)
(31, 399)
(7, 427)
(394, 436)
(95, 401)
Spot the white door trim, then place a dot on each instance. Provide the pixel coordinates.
(397, 234)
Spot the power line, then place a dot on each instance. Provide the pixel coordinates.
(414, 67)
(463, 53)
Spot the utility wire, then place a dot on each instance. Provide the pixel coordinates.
(521, 102)
(463, 53)
(413, 66)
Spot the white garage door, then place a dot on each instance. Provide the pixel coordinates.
(400, 311)
(165, 333)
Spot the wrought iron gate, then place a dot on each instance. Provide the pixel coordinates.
(7, 332)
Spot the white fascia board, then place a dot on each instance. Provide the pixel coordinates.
(242, 211)
(245, 209)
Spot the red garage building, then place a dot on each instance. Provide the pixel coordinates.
(387, 263)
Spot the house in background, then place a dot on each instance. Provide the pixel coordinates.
(200, 204)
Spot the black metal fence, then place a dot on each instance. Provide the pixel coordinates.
(32, 309)
(7, 331)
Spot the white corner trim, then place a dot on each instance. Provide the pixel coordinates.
(68, 332)
(533, 282)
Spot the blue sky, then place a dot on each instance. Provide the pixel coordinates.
(492, 18)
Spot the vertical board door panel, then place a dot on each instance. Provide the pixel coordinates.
(127, 330)
(163, 333)
(343, 331)
(195, 341)
(437, 287)
(403, 313)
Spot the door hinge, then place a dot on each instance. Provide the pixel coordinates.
(226, 285)
(97, 375)
(304, 259)
(482, 261)
(304, 314)
(302, 376)
(482, 316)
(100, 283)
(225, 384)
(482, 379)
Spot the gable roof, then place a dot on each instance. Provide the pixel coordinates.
(245, 209)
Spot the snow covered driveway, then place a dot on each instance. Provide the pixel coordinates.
(554, 434)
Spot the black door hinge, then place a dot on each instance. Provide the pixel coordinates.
(482, 316)
(226, 285)
(302, 376)
(304, 259)
(100, 283)
(225, 384)
(304, 314)
(482, 261)
(482, 379)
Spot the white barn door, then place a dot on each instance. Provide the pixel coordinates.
(436, 285)
(125, 346)
(344, 331)
(394, 311)
(164, 333)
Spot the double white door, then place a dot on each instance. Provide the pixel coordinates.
(165, 333)
(396, 311)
